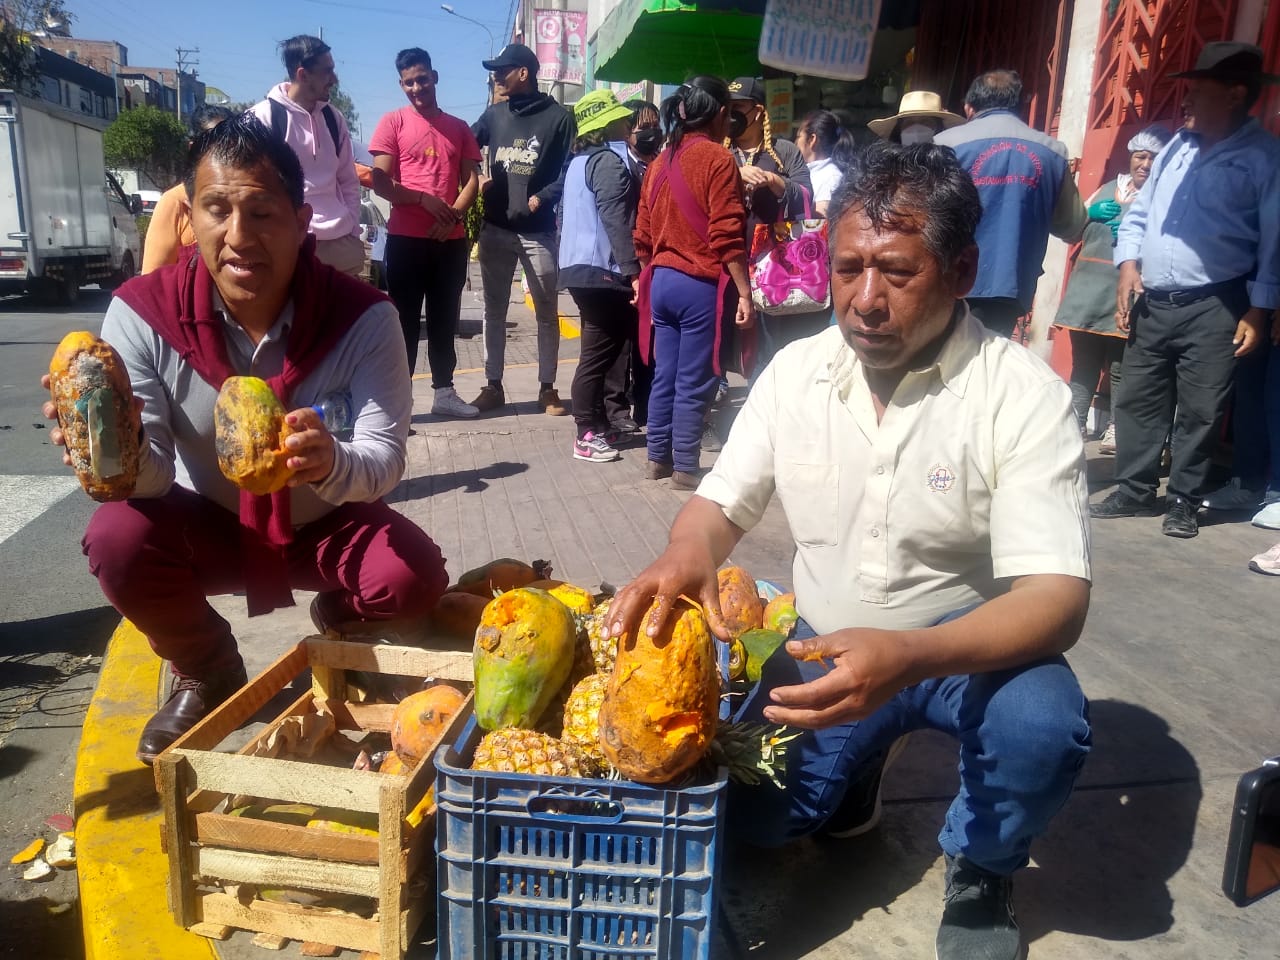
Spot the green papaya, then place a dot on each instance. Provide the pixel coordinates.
(523, 654)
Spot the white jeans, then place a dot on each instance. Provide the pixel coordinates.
(500, 250)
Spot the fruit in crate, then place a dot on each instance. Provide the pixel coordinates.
(582, 715)
(660, 706)
(578, 600)
(249, 435)
(780, 614)
(740, 605)
(523, 654)
(752, 752)
(90, 388)
(512, 750)
(421, 719)
(499, 576)
(457, 615)
(759, 645)
(604, 648)
(393, 765)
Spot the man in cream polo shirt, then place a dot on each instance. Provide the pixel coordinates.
(932, 475)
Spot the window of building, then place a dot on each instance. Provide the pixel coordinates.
(86, 101)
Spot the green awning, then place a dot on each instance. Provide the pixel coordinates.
(668, 41)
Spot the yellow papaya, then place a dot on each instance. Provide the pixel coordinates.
(90, 387)
(660, 707)
(249, 435)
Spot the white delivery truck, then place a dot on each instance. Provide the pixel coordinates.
(64, 221)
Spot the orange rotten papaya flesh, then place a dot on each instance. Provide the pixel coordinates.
(740, 605)
(90, 387)
(249, 435)
(659, 712)
(421, 719)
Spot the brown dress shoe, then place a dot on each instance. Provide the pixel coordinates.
(549, 401)
(190, 702)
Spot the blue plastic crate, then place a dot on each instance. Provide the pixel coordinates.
(564, 868)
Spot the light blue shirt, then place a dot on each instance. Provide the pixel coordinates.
(1206, 216)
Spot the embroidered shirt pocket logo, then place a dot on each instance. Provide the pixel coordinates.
(941, 478)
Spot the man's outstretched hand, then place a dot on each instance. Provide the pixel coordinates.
(681, 569)
(866, 668)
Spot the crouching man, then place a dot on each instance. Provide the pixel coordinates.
(250, 298)
(932, 476)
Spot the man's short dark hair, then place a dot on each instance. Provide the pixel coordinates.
(889, 183)
(412, 57)
(208, 115)
(995, 90)
(243, 142)
(301, 51)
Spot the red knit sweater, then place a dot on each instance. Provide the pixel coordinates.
(662, 233)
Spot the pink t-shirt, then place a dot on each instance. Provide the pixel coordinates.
(428, 156)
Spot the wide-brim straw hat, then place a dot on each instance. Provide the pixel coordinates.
(916, 103)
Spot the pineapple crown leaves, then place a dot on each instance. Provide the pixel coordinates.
(752, 751)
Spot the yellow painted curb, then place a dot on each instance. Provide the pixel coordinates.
(568, 329)
(122, 872)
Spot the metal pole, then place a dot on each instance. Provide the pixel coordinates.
(115, 82)
(448, 8)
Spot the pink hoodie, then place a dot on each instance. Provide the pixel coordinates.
(331, 185)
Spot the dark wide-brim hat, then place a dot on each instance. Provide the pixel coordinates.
(1229, 62)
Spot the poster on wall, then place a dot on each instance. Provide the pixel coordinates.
(820, 38)
(561, 45)
(779, 100)
(630, 91)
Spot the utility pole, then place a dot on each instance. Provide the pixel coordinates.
(183, 63)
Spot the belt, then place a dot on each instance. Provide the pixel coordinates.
(1192, 294)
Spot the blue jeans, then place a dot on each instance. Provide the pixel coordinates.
(1257, 418)
(684, 379)
(1024, 734)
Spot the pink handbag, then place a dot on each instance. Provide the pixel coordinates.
(790, 266)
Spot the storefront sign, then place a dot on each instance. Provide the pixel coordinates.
(630, 91)
(561, 45)
(820, 38)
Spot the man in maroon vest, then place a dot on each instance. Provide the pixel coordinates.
(250, 298)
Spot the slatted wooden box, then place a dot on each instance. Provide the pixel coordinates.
(208, 847)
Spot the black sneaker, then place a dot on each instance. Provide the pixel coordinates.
(1121, 505)
(624, 425)
(1180, 519)
(977, 916)
(859, 811)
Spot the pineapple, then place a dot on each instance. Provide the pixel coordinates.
(604, 648)
(752, 751)
(583, 666)
(582, 716)
(510, 750)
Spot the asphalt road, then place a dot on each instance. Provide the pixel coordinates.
(54, 627)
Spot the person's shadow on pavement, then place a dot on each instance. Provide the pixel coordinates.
(1103, 869)
(471, 481)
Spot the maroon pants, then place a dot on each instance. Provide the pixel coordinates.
(158, 559)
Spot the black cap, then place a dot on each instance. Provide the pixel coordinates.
(746, 88)
(1229, 62)
(514, 55)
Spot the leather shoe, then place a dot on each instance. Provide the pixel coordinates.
(190, 701)
(1180, 519)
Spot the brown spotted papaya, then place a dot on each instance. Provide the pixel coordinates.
(90, 387)
(249, 435)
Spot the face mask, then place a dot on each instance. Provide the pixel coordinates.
(649, 140)
(917, 133)
(737, 125)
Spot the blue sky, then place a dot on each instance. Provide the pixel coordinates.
(237, 41)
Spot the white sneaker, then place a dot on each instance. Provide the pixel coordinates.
(1268, 516)
(1268, 563)
(1107, 447)
(448, 404)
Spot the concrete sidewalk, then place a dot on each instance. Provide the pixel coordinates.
(1177, 657)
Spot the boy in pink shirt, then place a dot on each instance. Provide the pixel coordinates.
(425, 163)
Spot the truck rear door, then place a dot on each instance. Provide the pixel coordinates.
(13, 224)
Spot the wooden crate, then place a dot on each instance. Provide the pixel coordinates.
(395, 869)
